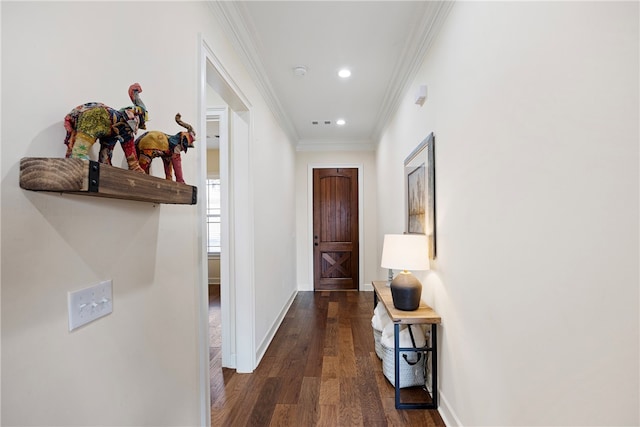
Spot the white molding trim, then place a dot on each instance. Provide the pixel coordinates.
(264, 345)
(227, 314)
(239, 228)
(446, 412)
(361, 237)
(236, 24)
(240, 216)
(238, 27)
(242, 239)
(202, 297)
(242, 102)
(414, 52)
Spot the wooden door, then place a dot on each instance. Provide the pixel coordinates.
(335, 229)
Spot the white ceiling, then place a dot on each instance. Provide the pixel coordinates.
(381, 42)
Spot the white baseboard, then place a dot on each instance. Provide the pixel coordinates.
(305, 287)
(262, 348)
(366, 287)
(446, 412)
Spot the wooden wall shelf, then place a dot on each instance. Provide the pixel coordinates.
(91, 178)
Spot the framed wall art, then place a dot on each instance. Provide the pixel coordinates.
(420, 192)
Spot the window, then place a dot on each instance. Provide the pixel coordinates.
(213, 216)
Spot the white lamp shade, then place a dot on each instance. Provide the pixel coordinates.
(405, 252)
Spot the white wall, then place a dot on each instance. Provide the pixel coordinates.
(304, 223)
(270, 171)
(535, 110)
(273, 157)
(139, 365)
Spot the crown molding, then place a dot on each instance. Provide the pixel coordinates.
(237, 26)
(413, 54)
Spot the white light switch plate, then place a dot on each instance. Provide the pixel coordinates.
(87, 305)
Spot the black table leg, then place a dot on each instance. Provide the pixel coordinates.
(433, 349)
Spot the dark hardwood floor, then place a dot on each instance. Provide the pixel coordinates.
(321, 369)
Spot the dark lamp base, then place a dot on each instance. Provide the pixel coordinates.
(406, 291)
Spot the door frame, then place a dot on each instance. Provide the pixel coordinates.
(221, 114)
(310, 168)
(238, 226)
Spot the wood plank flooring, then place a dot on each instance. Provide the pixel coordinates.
(321, 369)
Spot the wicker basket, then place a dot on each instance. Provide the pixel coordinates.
(411, 367)
(377, 334)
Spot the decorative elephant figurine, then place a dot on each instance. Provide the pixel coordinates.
(95, 121)
(154, 144)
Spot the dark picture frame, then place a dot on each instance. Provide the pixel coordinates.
(420, 192)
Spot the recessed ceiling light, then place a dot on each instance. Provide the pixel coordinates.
(340, 122)
(344, 73)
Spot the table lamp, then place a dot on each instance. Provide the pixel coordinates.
(405, 252)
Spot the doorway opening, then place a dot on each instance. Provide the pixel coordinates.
(224, 105)
(214, 229)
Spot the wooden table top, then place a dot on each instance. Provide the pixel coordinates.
(424, 313)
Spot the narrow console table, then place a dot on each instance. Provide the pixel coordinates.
(423, 315)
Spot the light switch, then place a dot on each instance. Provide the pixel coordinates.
(89, 304)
